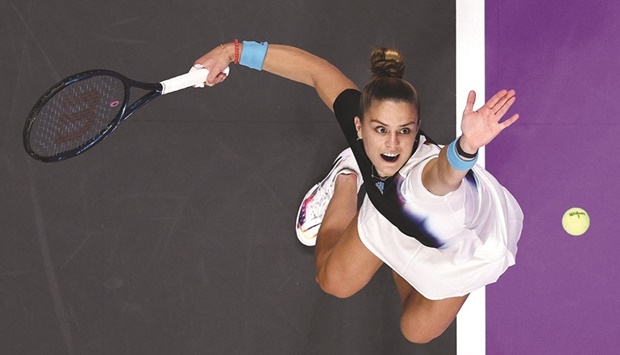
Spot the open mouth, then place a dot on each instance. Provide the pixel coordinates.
(390, 158)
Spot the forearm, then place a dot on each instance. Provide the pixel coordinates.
(443, 175)
(298, 65)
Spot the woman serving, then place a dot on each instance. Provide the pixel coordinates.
(443, 225)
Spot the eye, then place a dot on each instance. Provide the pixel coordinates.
(405, 131)
(381, 130)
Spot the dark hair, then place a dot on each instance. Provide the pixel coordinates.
(388, 69)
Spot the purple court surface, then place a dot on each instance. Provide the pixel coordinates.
(562, 58)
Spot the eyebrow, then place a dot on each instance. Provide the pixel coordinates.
(372, 120)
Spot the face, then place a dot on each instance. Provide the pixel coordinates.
(388, 131)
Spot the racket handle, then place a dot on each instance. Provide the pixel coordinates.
(193, 78)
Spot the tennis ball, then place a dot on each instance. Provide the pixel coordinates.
(576, 221)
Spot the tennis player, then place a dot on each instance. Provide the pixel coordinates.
(443, 224)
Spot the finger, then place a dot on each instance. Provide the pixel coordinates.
(507, 123)
(212, 77)
(501, 110)
(221, 77)
(471, 99)
(495, 99)
(214, 72)
(208, 81)
(509, 95)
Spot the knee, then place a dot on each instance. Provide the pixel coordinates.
(418, 334)
(417, 338)
(335, 287)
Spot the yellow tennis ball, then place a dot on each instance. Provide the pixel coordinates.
(576, 221)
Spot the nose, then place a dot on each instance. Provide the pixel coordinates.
(392, 140)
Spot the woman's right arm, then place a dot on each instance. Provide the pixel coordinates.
(288, 62)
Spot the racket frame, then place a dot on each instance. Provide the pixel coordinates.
(196, 78)
(126, 110)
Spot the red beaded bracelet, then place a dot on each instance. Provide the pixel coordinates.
(236, 51)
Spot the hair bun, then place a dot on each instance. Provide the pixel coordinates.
(387, 62)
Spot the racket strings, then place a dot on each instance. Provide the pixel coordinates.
(76, 115)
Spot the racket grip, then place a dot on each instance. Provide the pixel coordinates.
(193, 78)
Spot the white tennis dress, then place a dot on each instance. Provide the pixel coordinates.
(478, 226)
(444, 246)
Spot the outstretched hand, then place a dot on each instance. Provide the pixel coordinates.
(481, 126)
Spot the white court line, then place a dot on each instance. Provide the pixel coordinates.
(470, 75)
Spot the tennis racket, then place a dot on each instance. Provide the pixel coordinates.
(82, 109)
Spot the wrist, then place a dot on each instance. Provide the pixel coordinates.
(465, 149)
(227, 51)
(457, 160)
(252, 54)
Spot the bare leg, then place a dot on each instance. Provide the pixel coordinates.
(422, 320)
(343, 264)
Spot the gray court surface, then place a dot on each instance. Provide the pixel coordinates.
(176, 234)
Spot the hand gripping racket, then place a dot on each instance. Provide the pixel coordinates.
(81, 110)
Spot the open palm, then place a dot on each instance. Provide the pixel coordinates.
(481, 126)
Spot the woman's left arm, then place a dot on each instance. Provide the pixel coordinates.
(445, 173)
(286, 61)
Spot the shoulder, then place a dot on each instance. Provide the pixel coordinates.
(425, 151)
(347, 100)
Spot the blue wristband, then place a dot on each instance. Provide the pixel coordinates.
(456, 161)
(253, 54)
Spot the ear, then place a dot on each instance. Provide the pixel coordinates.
(358, 127)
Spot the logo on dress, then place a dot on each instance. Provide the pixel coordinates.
(380, 185)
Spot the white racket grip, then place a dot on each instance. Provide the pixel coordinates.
(195, 78)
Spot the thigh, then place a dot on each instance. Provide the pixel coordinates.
(349, 265)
